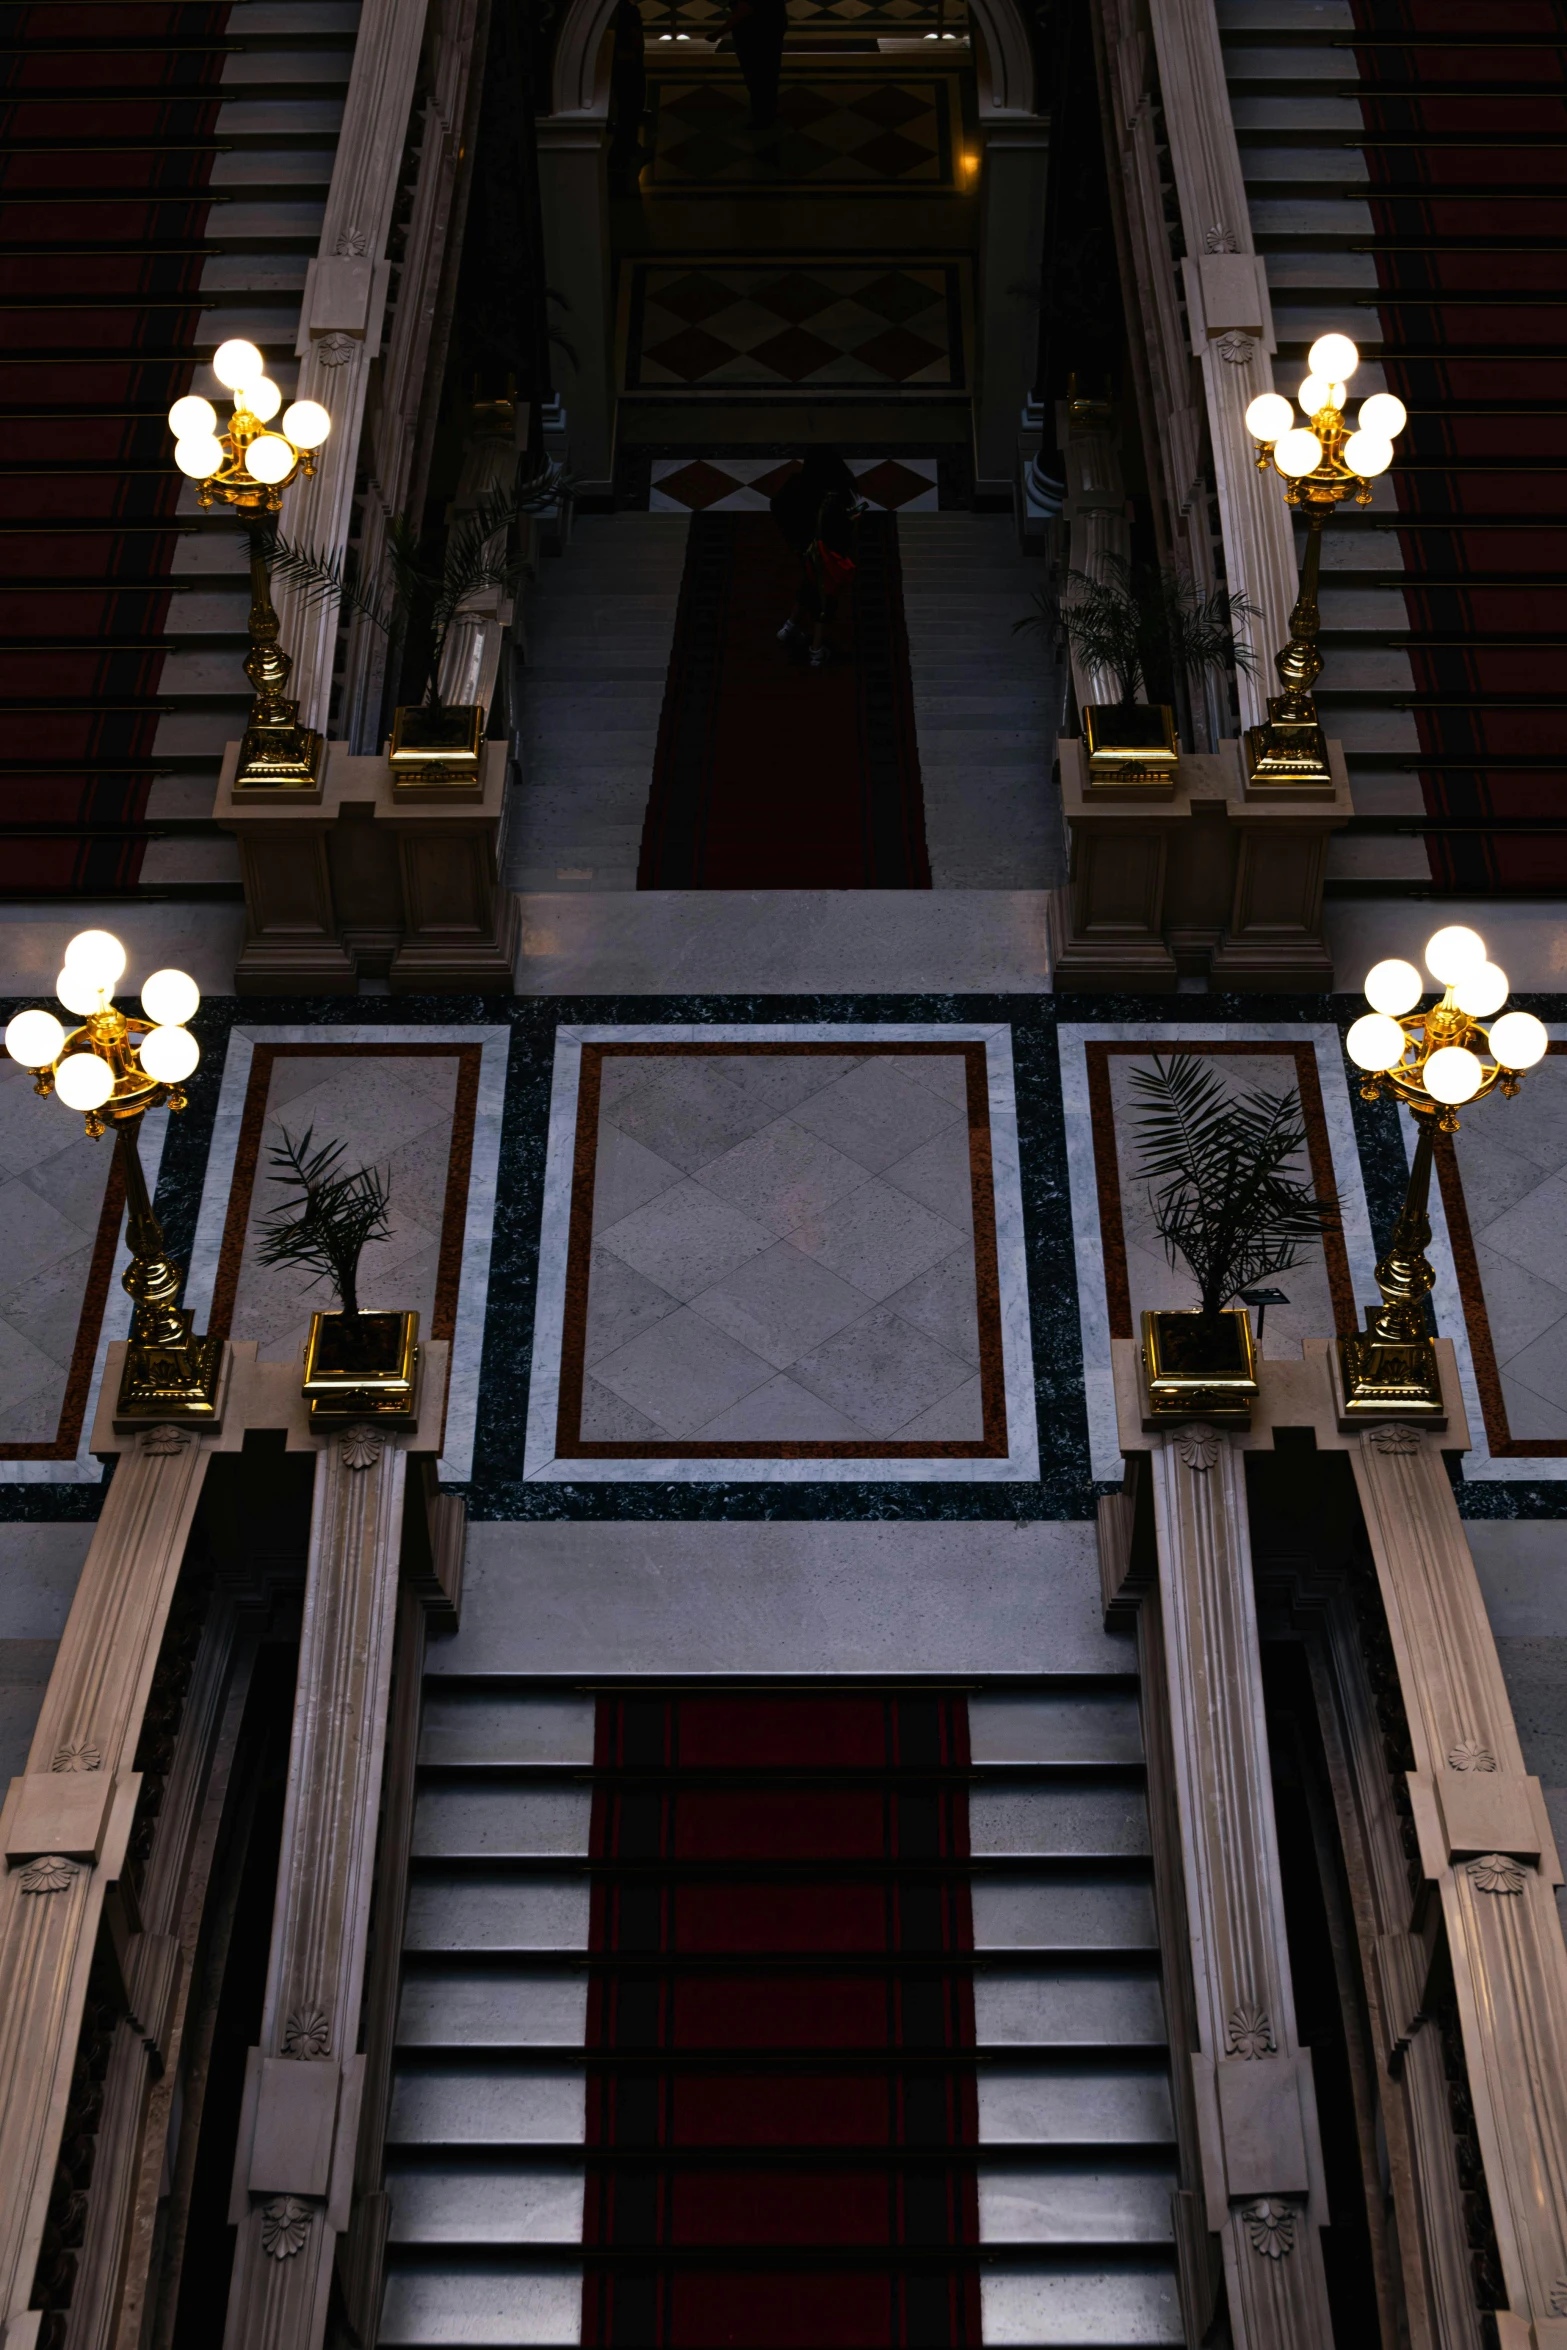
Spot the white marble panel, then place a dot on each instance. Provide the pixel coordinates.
(540, 1458)
(456, 1463)
(448, 2309)
(1093, 1306)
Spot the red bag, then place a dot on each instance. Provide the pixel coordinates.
(833, 569)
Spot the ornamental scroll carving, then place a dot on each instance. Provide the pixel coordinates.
(1394, 1436)
(1219, 239)
(82, 1755)
(1494, 1872)
(1236, 349)
(334, 350)
(1271, 2227)
(1198, 1446)
(1251, 2032)
(285, 2223)
(1470, 1754)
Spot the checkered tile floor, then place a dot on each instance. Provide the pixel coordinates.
(832, 131)
(781, 326)
(746, 485)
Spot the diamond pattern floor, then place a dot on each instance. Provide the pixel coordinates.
(783, 1250)
(755, 326)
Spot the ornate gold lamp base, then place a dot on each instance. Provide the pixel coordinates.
(1390, 1379)
(277, 754)
(181, 1382)
(1289, 753)
(169, 1373)
(1389, 1371)
(284, 757)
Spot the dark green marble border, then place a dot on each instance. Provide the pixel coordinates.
(1065, 1489)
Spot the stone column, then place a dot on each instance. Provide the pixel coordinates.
(66, 1821)
(298, 2124)
(1489, 1858)
(1256, 2104)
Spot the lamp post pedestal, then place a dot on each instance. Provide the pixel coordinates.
(169, 1374)
(1290, 752)
(1389, 1369)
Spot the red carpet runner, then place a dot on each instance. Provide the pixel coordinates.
(778, 2102)
(1467, 152)
(769, 775)
(107, 149)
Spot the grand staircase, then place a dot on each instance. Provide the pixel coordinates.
(650, 2007)
(162, 188)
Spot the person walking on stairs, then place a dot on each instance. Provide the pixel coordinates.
(816, 510)
(757, 29)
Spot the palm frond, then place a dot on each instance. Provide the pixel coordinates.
(318, 577)
(1229, 1208)
(328, 1219)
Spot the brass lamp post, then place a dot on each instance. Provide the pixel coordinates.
(1433, 1059)
(248, 467)
(1320, 465)
(113, 1068)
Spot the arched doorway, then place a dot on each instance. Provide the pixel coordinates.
(612, 261)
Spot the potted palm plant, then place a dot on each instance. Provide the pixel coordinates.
(358, 1365)
(1225, 1205)
(1147, 629)
(433, 743)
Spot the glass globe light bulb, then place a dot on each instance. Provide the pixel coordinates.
(170, 998)
(84, 1082)
(269, 458)
(306, 423)
(237, 363)
(1451, 954)
(1367, 454)
(1453, 1074)
(1393, 986)
(1518, 1040)
(80, 993)
(263, 399)
(1318, 392)
(1333, 356)
(1297, 453)
(34, 1039)
(199, 456)
(192, 418)
(169, 1054)
(1269, 417)
(1384, 414)
(1481, 992)
(96, 953)
(1376, 1042)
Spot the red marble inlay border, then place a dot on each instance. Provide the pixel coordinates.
(571, 1444)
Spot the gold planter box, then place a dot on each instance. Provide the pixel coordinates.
(1132, 747)
(437, 754)
(364, 1368)
(1197, 1371)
